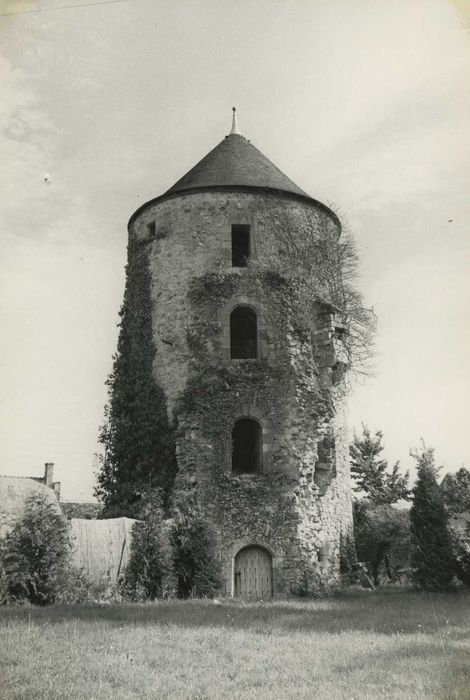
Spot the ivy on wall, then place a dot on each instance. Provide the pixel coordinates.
(217, 389)
(137, 439)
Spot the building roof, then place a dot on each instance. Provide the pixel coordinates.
(235, 162)
(14, 492)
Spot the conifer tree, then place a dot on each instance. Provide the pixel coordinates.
(150, 572)
(137, 440)
(197, 566)
(35, 555)
(431, 544)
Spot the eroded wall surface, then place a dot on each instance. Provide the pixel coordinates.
(299, 507)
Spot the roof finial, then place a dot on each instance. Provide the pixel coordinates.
(235, 129)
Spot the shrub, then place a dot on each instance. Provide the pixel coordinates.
(197, 567)
(35, 555)
(307, 582)
(455, 490)
(461, 549)
(149, 573)
(382, 538)
(347, 556)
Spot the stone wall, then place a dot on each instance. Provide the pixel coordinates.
(84, 511)
(192, 238)
(299, 507)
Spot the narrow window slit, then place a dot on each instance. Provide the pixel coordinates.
(240, 245)
(247, 447)
(243, 334)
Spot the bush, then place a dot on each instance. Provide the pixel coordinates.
(80, 588)
(307, 582)
(382, 538)
(461, 550)
(455, 490)
(197, 567)
(150, 573)
(35, 555)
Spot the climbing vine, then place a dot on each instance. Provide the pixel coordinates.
(217, 390)
(138, 441)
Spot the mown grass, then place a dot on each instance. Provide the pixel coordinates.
(388, 644)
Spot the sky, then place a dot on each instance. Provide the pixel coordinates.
(363, 103)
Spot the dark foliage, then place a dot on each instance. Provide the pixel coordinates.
(197, 567)
(382, 538)
(371, 473)
(35, 555)
(461, 549)
(138, 442)
(432, 555)
(149, 573)
(456, 491)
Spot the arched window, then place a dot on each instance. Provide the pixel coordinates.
(243, 332)
(247, 446)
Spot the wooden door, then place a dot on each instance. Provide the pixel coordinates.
(254, 574)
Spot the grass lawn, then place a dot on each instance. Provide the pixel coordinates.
(387, 644)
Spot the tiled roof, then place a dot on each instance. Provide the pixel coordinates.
(235, 162)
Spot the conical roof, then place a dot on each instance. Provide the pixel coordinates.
(235, 162)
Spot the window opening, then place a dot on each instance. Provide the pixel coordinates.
(246, 446)
(151, 228)
(240, 245)
(243, 332)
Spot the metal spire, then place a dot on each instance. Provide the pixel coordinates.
(235, 129)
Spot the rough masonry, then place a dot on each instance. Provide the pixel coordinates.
(255, 400)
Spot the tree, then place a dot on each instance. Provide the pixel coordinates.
(150, 573)
(382, 538)
(319, 262)
(456, 491)
(35, 555)
(432, 555)
(371, 473)
(137, 439)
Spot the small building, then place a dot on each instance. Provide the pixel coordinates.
(15, 490)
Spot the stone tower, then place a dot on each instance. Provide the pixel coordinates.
(261, 439)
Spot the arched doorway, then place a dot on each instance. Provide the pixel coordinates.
(247, 447)
(253, 572)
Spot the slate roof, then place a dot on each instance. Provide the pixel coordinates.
(235, 162)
